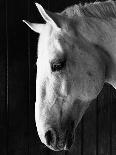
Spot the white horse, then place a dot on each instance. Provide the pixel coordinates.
(76, 56)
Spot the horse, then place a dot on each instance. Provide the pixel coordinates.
(76, 55)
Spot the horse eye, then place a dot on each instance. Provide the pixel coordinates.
(57, 66)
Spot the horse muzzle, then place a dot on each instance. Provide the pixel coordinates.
(59, 140)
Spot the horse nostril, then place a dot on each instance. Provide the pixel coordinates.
(50, 137)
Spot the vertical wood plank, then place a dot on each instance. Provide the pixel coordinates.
(104, 118)
(89, 130)
(3, 58)
(17, 77)
(113, 122)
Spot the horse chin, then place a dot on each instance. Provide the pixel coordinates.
(64, 144)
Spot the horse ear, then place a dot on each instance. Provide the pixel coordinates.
(35, 26)
(51, 18)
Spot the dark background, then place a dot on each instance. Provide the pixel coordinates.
(96, 133)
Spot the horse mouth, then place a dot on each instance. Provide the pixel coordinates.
(65, 143)
(62, 138)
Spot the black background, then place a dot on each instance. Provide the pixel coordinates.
(96, 133)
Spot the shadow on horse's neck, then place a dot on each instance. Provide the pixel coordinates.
(109, 65)
(107, 49)
(103, 35)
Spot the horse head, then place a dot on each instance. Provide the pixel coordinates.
(70, 74)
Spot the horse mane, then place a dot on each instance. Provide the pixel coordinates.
(102, 10)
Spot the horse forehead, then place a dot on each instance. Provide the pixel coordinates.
(54, 46)
(54, 43)
(61, 42)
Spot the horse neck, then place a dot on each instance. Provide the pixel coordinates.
(104, 36)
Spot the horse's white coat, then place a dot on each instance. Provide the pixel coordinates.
(73, 33)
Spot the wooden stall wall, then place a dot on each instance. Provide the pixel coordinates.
(3, 83)
(96, 133)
